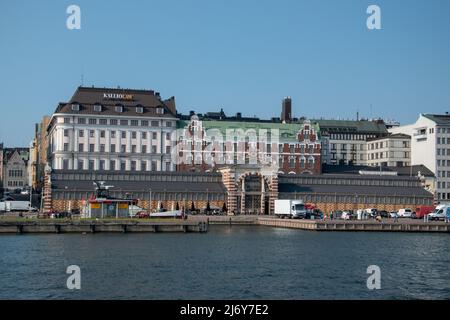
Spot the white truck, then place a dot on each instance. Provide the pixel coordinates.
(290, 209)
(15, 206)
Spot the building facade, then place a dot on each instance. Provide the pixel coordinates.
(430, 146)
(344, 142)
(38, 154)
(15, 168)
(393, 151)
(103, 129)
(205, 145)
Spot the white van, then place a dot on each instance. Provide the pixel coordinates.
(405, 213)
(440, 212)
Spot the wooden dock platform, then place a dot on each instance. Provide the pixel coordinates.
(101, 226)
(388, 225)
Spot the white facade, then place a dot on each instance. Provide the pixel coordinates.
(135, 144)
(430, 146)
(391, 151)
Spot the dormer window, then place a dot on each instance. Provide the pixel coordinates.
(97, 107)
(159, 110)
(75, 107)
(139, 110)
(119, 109)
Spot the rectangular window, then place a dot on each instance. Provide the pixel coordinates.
(66, 147)
(123, 166)
(154, 149)
(102, 164)
(123, 122)
(133, 165)
(168, 136)
(167, 166)
(103, 122)
(113, 122)
(144, 135)
(154, 165)
(144, 123)
(123, 134)
(91, 147)
(80, 147)
(91, 133)
(102, 148)
(66, 120)
(80, 165)
(91, 165)
(143, 166)
(65, 164)
(112, 165)
(169, 124)
(134, 123)
(144, 149)
(123, 148)
(113, 134)
(133, 134)
(92, 121)
(102, 134)
(66, 132)
(81, 133)
(167, 149)
(154, 135)
(133, 148)
(113, 148)
(81, 120)
(155, 123)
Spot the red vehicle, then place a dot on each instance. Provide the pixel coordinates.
(142, 215)
(421, 211)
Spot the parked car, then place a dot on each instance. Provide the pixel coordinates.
(405, 213)
(383, 214)
(142, 215)
(393, 214)
(372, 212)
(345, 215)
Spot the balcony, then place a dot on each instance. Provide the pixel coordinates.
(420, 135)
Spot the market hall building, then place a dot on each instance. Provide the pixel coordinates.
(125, 138)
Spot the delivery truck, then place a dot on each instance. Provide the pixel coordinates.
(291, 209)
(7, 206)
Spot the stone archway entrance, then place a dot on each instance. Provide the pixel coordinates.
(253, 196)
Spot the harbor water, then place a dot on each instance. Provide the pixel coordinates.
(237, 262)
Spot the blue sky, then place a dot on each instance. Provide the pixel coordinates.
(244, 56)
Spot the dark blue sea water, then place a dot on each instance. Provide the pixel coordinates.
(226, 263)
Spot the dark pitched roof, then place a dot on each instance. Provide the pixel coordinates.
(354, 190)
(110, 98)
(354, 170)
(443, 119)
(351, 126)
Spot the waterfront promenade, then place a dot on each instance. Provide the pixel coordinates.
(200, 224)
(21, 226)
(386, 225)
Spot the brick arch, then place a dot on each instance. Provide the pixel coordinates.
(246, 174)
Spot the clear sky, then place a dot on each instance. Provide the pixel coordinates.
(242, 55)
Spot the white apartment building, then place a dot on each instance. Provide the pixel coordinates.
(112, 129)
(430, 146)
(345, 141)
(391, 151)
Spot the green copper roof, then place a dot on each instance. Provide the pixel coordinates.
(288, 131)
